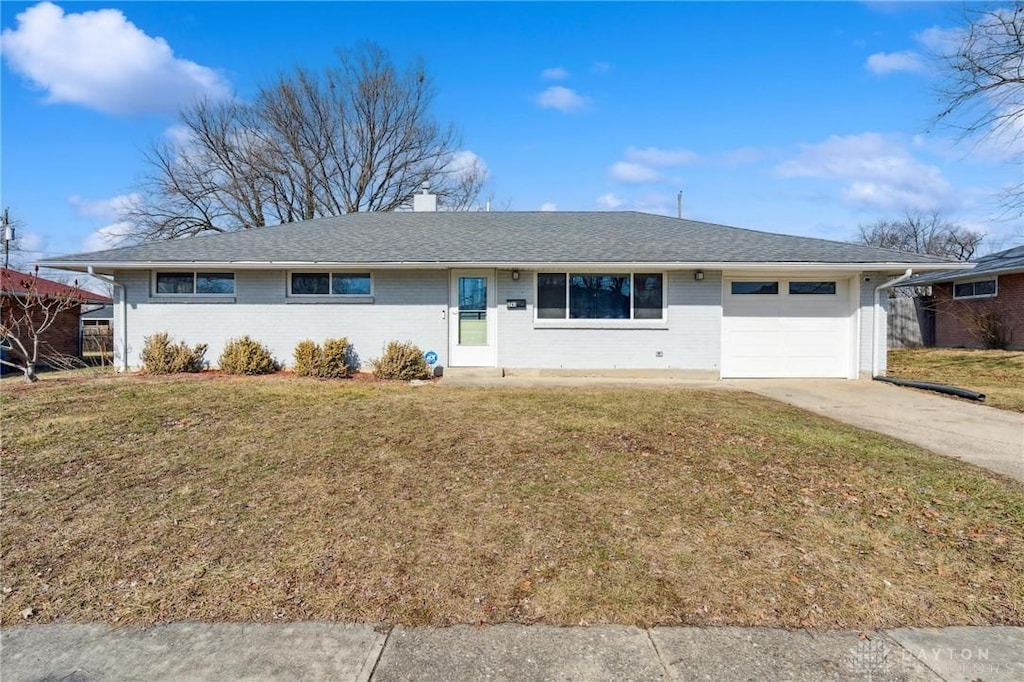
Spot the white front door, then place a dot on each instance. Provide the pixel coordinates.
(472, 319)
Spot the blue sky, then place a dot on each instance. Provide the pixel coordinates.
(803, 118)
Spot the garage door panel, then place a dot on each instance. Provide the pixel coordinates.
(783, 335)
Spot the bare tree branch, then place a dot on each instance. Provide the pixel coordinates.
(927, 233)
(983, 89)
(358, 137)
(27, 312)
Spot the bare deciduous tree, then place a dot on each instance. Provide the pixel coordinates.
(358, 137)
(927, 233)
(984, 86)
(28, 312)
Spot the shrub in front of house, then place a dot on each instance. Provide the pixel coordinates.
(306, 358)
(334, 358)
(246, 356)
(403, 361)
(162, 356)
(329, 361)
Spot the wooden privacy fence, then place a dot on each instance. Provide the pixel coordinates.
(911, 320)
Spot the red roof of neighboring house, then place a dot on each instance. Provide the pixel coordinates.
(18, 282)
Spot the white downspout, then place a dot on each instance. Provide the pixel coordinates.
(124, 316)
(875, 350)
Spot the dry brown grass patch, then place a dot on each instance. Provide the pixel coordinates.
(999, 374)
(140, 501)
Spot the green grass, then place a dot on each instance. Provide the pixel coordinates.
(142, 500)
(998, 374)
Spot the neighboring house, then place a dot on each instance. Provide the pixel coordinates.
(979, 308)
(574, 290)
(97, 333)
(61, 339)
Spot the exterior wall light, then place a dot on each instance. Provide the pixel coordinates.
(698, 275)
(515, 275)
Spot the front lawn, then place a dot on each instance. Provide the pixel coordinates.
(140, 500)
(999, 374)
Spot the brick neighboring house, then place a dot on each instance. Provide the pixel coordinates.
(966, 303)
(64, 336)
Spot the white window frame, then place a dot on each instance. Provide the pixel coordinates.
(600, 322)
(995, 292)
(195, 274)
(330, 295)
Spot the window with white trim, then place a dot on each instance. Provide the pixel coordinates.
(330, 284)
(600, 296)
(982, 288)
(194, 284)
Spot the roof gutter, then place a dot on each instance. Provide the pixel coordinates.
(124, 316)
(504, 265)
(875, 350)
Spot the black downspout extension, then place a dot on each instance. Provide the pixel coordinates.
(938, 388)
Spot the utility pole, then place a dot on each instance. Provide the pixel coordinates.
(8, 237)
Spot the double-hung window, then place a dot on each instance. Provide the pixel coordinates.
(194, 284)
(600, 296)
(330, 284)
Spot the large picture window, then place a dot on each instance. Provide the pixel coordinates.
(330, 284)
(600, 296)
(195, 283)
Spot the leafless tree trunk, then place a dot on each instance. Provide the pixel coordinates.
(358, 137)
(927, 233)
(26, 315)
(984, 87)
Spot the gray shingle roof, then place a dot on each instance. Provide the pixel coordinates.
(1001, 262)
(498, 237)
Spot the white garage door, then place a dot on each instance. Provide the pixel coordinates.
(786, 328)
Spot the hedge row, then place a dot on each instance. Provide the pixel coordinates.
(334, 359)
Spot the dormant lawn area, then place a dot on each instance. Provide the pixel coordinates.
(139, 500)
(999, 374)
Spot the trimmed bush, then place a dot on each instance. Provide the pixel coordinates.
(161, 356)
(334, 358)
(307, 358)
(403, 361)
(329, 361)
(246, 356)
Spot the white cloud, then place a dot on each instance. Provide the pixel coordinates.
(100, 60)
(548, 206)
(601, 67)
(893, 62)
(554, 74)
(627, 171)
(940, 40)
(877, 172)
(653, 156)
(609, 201)
(563, 99)
(467, 162)
(107, 209)
(107, 237)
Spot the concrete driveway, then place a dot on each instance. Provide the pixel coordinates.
(982, 435)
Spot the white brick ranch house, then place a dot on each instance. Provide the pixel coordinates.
(572, 290)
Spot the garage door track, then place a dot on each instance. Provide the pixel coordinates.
(975, 433)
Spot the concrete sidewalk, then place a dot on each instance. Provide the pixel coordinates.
(328, 651)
